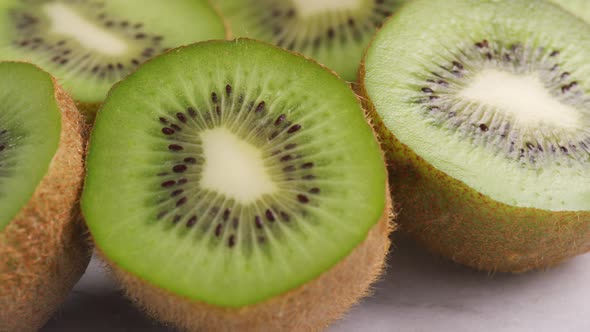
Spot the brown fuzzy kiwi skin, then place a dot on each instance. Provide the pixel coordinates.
(44, 250)
(88, 111)
(451, 219)
(310, 307)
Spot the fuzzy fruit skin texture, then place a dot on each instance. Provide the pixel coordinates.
(453, 220)
(44, 250)
(310, 307)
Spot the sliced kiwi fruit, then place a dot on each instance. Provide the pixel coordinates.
(236, 186)
(485, 115)
(580, 8)
(91, 44)
(42, 248)
(334, 32)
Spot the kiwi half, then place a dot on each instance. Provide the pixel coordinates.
(42, 248)
(91, 44)
(580, 8)
(237, 186)
(485, 115)
(334, 32)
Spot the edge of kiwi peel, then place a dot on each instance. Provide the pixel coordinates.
(330, 293)
(468, 227)
(47, 238)
(310, 307)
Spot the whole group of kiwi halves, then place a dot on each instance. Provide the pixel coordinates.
(239, 165)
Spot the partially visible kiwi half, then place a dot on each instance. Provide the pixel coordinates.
(91, 44)
(43, 251)
(235, 186)
(485, 115)
(334, 32)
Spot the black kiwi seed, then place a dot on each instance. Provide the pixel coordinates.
(302, 199)
(181, 117)
(258, 222)
(280, 119)
(179, 168)
(269, 215)
(294, 129)
(168, 183)
(192, 221)
(181, 202)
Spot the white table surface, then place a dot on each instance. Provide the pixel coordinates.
(420, 293)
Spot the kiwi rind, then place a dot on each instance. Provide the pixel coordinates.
(470, 228)
(311, 307)
(452, 219)
(43, 250)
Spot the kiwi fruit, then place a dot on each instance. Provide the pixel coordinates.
(91, 44)
(333, 32)
(43, 252)
(580, 8)
(485, 116)
(236, 186)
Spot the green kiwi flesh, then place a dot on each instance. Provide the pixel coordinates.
(231, 172)
(485, 114)
(333, 32)
(43, 251)
(89, 45)
(580, 8)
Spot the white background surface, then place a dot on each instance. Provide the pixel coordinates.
(420, 293)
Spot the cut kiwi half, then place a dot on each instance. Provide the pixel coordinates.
(334, 32)
(42, 248)
(484, 111)
(580, 8)
(91, 44)
(234, 185)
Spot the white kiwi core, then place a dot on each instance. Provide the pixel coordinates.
(67, 22)
(234, 167)
(524, 97)
(306, 8)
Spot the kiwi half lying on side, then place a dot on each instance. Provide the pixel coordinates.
(485, 114)
(43, 251)
(333, 32)
(580, 8)
(91, 44)
(236, 186)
